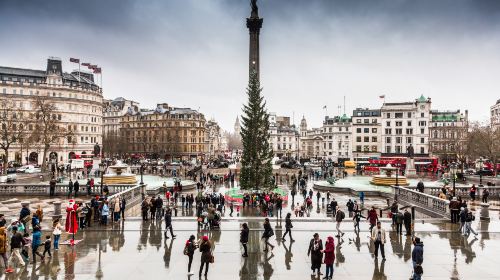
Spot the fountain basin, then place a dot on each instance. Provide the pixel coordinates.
(383, 180)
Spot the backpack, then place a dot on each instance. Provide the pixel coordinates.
(342, 214)
(186, 249)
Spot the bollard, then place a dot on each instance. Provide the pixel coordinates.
(413, 212)
(484, 215)
(380, 215)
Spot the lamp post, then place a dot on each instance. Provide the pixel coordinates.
(142, 172)
(481, 161)
(453, 171)
(397, 177)
(102, 168)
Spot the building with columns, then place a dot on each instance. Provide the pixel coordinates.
(495, 115)
(76, 96)
(405, 124)
(366, 132)
(113, 111)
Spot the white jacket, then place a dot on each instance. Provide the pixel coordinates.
(375, 232)
(57, 229)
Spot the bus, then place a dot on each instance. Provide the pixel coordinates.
(88, 159)
(427, 164)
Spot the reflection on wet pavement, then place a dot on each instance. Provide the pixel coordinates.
(136, 250)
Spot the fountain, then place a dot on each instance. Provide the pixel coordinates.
(388, 179)
(119, 174)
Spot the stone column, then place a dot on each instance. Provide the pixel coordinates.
(485, 213)
(57, 210)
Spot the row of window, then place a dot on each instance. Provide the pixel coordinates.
(401, 115)
(52, 94)
(399, 140)
(399, 150)
(366, 139)
(399, 131)
(366, 130)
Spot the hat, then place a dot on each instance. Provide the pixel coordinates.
(205, 238)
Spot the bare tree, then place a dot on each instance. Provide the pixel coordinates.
(483, 141)
(48, 126)
(13, 126)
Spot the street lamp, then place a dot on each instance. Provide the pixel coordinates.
(481, 161)
(102, 169)
(453, 171)
(142, 172)
(397, 177)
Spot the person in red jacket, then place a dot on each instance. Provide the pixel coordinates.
(329, 257)
(372, 217)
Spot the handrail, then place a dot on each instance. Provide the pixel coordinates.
(424, 201)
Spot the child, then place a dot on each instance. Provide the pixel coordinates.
(46, 246)
(26, 247)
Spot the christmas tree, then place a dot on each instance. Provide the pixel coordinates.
(256, 168)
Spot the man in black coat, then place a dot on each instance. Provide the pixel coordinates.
(407, 222)
(168, 223)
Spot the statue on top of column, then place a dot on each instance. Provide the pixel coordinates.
(255, 9)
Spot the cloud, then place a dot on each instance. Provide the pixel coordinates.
(194, 53)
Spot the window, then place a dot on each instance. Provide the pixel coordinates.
(374, 148)
(374, 130)
(409, 131)
(366, 139)
(358, 130)
(422, 123)
(374, 139)
(374, 120)
(366, 130)
(398, 115)
(422, 150)
(388, 115)
(358, 139)
(398, 140)
(408, 140)
(358, 121)
(409, 114)
(366, 121)
(388, 123)
(388, 149)
(388, 140)
(422, 115)
(4, 90)
(398, 149)
(388, 131)
(399, 123)
(422, 131)
(399, 131)
(358, 148)
(422, 140)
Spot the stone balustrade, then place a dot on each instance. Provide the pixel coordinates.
(464, 191)
(431, 204)
(61, 189)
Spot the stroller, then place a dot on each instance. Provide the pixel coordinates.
(203, 220)
(216, 221)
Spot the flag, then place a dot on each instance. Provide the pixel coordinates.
(86, 64)
(97, 70)
(75, 60)
(382, 96)
(324, 107)
(92, 66)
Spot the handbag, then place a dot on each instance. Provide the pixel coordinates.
(212, 259)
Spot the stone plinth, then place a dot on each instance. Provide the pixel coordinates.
(484, 215)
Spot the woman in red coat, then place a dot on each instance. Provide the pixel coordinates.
(329, 257)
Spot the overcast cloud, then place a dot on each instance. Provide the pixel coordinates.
(195, 52)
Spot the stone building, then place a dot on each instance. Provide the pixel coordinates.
(76, 96)
(283, 136)
(337, 133)
(366, 132)
(113, 111)
(447, 134)
(310, 141)
(165, 132)
(495, 115)
(213, 139)
(405, 124)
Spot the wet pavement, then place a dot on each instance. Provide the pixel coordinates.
(138, 249)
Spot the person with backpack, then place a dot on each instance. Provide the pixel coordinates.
(288, 227)
(316, 252)
(189, 249)
(36, 242)
(333, 206)
(468, 223)
(268, 232)
(378, 238)
(244, 238)
(338, 218)
(417, 257)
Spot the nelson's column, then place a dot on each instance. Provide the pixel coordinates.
(254, 24)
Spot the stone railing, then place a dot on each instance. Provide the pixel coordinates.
(464, 191)
(133, 196)
(433, 205)
(61, 189)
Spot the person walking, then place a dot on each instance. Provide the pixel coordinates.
(356, 218)
(468, 223)
(399, 222)
(407, 221)
(116, 209)
(16, 244)
(244, 238)
(315, 251)
(454, 210)
(378, 237)
(339, 216)
(206, 254)
(189, 249)
(372, 217)
(168, 224)
(485, 196)
(473, 192)
(52, 187)
(46, 246)
(288, 227)
(105, 213)
(36, 242)
(333, 206)
(462, 218)
(70, 188)
(417, 258)
(329, 257)
(56, 231)
(268, 232)
(123, 206)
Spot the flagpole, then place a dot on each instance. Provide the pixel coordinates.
(79, 78)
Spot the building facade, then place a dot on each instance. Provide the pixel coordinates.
(310, 141)
(447, 134)
(495, 115)
(283, 136)
(406, 124)
(113, 111)
(76, 96)
(165, 132)
(337, 142)
(213, 138)
(366, 132)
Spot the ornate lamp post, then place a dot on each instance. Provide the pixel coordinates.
(397, 177)
(481, 161)
(453, 171)
(142, 171)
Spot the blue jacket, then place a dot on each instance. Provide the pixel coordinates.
(37, 238)
(105, 210)
(418, 253)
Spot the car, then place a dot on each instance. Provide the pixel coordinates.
(8, 178)
(11, 170)
(23, 169)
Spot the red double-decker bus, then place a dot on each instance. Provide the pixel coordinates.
(88, 159)
(427, 164)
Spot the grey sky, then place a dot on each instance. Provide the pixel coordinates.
(194, 52)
